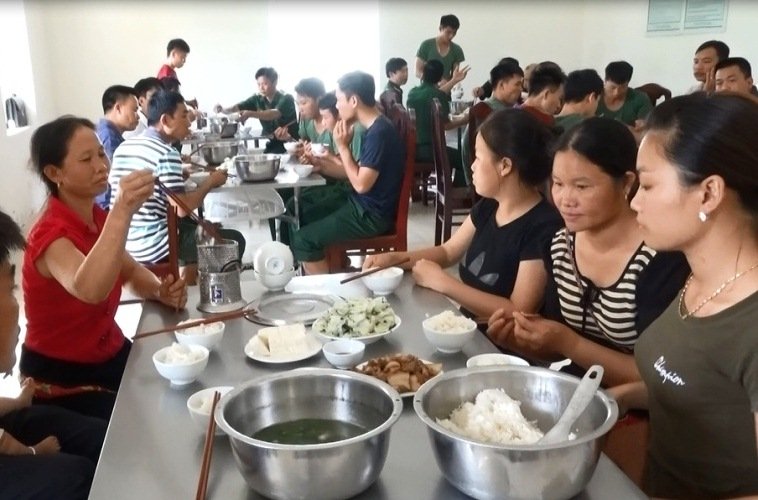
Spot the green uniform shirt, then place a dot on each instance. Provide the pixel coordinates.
(428, 51)
(282, 102)
(636, 107)
(359, 132)
(420, 99)
(567, 122)
(308, 132)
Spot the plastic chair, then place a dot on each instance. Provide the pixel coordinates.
(655, 92)
(338, 254)
(451, 204)
(476, 115)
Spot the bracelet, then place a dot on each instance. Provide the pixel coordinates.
(34, 452)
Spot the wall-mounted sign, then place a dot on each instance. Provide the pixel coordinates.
(686, 16)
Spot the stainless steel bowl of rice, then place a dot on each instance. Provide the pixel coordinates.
(490, 455)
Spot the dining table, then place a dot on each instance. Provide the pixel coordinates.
(153, 450)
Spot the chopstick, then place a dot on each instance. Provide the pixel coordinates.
(207, 226)
(374, 270)
(197, 322)
(205, 467)
(486, 319)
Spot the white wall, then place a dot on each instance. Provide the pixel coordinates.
(78, 48)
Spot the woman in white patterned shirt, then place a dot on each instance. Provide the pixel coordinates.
(604, 284)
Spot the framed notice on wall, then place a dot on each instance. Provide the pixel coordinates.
(675, 17)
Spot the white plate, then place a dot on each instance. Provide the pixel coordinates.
(366, 339)
(359, 369)
(290, 307)
(313, 348)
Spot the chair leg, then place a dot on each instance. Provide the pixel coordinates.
(437, 225)
(425, 190)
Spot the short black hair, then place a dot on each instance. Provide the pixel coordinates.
(605, 142)
(359, 84)
(504, 71)
(511, 60)
(49, 145)
(170, 83)
(269, 73)
(161, 103)
(545, 74)
(114, 94)
(722, 49)
(328, 101)
(394, 64)
(619, 72)
(581, 83)
(10, 237)
(740, 62)
(310, 87)
(177, 44)
(450, 21)
(433, 70)
(145, 85)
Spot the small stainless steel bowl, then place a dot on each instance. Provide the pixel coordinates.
(336, 470)
(214, 153)
(252, 168)
(491, 471)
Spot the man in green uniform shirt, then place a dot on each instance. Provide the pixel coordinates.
(442, 48)
(581, 95)
(420, 100)
(619, 102)
(273, 108)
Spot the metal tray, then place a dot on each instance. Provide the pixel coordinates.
(290, 307)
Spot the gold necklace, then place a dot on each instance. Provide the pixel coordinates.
(684, 313)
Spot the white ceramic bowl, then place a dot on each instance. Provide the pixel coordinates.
(275, 282)
(273, 257)
(181, 373)
(199, 406)
(318, 149)
(291, 147)
(303, 171)
(385, 281)
(199, 177)
(344, 353)
(208, 335)
(448, 342)
(495, 358)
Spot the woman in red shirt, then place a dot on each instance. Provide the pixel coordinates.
(74, 267)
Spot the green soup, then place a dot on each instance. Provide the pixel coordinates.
(309, 431)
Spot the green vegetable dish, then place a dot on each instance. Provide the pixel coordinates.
(356, 318)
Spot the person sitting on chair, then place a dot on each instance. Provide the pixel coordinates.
(375, 177)
(499, 244)
(583, 91)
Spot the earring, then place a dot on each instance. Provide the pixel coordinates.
(702, 216)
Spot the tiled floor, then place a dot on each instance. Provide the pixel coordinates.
(420, 234)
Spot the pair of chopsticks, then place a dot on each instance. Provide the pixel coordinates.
(205, 467)
(198, 322)
(486, 319)
(207, 226)
(374, 270)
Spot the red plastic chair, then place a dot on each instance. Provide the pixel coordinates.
(655, 92)
(338, 254)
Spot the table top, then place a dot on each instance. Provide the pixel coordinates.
(153, 449)
(207, 140)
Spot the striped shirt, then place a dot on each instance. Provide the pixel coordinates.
(147, 240)
(607, 314)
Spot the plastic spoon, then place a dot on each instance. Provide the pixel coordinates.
(579, 401)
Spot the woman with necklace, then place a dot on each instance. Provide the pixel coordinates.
(605, 285)
(698, 167)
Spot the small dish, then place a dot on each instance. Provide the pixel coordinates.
(495, 358)
(291, 146)
(318, 149)
(405, 394)
(384, 282)
(344, 353)
(199, 406)
(302, 170)
(313, 347)
(208, 335)
(448, 341)
(366, 339)
(181, 364)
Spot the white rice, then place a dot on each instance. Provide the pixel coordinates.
(179, 354)
(449, 322)
(205, 329)
(493, 418)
